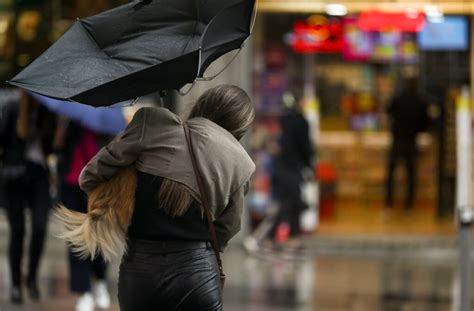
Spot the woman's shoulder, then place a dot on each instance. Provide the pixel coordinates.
(156, 116)
(220, 144)
(159, 111)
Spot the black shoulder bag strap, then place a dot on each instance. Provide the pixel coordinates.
(205, 203)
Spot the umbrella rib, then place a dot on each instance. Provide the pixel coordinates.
(118, 64)
(191, 38)
(94, 40)
(210, 47)
(107, 56)
(198, 15)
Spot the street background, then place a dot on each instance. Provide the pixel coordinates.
(355, 255)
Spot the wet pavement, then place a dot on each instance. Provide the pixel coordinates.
(284, 279)
(339, 283)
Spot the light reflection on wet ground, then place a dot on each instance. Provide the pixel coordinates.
(339, 283)
(281, 281)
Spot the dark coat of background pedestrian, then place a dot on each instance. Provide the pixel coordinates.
(295, 154)
(408, 115)
(295, 145)
(26, 141)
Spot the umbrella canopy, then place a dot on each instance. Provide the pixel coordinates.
(104, 120)
(138, 48)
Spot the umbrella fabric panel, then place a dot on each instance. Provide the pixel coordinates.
(63, 76)
(112, 27)
(92, 66)
(150, 49)
(170, 75)
(101, 49)
(156, 33)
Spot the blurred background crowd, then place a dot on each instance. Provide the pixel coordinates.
(354, 143)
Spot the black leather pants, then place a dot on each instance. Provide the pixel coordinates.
(169, 276)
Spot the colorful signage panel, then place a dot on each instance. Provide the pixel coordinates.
(382, 46)
(358, 45)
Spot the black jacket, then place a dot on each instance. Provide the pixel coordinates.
(13, 148)
(408, 114)
(295, 144)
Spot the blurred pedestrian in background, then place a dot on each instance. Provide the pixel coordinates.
(76, 145)
(294, 156)
(26, 139)
(408, 117)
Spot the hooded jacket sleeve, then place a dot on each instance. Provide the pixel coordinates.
(121, 152)
(228, 222)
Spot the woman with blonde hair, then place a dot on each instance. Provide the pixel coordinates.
(159, 217)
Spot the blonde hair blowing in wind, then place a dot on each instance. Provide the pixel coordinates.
(104, 228)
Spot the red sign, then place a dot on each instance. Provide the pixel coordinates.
(317, 35)
(407, 21)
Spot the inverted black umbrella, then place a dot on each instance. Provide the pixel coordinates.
(138, 48)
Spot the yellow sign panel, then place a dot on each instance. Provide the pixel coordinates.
(463, 101)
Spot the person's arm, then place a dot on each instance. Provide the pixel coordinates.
(121, 152)
(228, 223)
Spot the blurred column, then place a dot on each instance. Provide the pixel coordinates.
(311, 106)
(464, 117)
(311, 112)
(464, 196)
(471, 55)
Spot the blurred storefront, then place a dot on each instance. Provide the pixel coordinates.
(360, 53)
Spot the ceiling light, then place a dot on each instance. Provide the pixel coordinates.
(434, 14)
(411, 13)
(336, 9)
(433, 11)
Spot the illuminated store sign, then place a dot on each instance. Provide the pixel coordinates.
(317, 34)
(409, 20)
